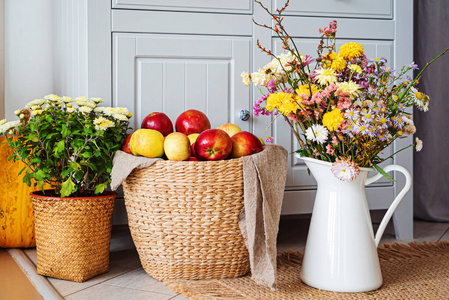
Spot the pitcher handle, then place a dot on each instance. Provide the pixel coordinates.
(394, 205)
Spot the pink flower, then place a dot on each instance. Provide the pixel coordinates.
(292, 117)
(343, 103)
(317, 97)
(329, 150)
(334, 140)
(345, 169)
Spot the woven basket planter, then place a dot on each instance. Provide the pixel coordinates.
(73, 235)
(183, 218)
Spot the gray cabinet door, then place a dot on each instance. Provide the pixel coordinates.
(173, 73)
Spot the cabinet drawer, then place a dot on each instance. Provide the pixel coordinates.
(228, 6)
(382, 9)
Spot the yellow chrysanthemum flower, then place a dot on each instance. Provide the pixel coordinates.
(285, 103)
(338, 64)
(333, 119)
(305, 89)
(355, 68)
(351, 50)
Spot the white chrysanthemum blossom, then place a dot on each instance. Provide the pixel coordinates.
(120, 117)
(246, 78)
(317, 133)
(418, 144)
(2, 122)
(99, 109)
(17, 112)
(103, 123)
(345, 169)
(52, 97)
(85, 109)
(66, 99)
(80, 99)
(80, 103)
(350, 87)
(7, 126)
(109, 111)
(260, 78)
(38, 102)
(122, 110)
(91, 104)
(325, 76)
(97, 100)
(407, 119)
(70, 109)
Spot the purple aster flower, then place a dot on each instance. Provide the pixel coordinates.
(413, 66)
(272, 86)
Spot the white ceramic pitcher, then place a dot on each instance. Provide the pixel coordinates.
(341, 250)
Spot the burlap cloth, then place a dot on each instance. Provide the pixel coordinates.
(264, 176)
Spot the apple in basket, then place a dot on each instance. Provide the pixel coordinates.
(230, 128)
(158, 121)
(192, 121)
(245, 143)
(125, 144)
(147, 142)
(192, 137)
(177, 146)
(213, 144)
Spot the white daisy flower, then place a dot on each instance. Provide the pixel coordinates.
(345, 169)
(325, 76)
(418, 144)
(419, 99)
(317, 133)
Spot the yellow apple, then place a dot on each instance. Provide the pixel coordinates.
(230, 128)
(261, 140)
(177, 146)
(147, 142)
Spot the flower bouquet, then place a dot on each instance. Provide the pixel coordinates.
(346, 108)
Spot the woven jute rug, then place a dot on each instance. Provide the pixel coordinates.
(414, 271)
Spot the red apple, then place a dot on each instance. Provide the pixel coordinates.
(193, 158)
(192, 137)
(192, 121)
(213, 144)
(125, 144)
(158, 121)
(230, 128)
(245, 143)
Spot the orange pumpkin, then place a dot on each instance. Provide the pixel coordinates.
(16, 210)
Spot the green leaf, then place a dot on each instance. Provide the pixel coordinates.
(61, 146)
(27, 179)
(379, 169)
(75, 166)
(100, 188)
(67, 188)
(40, 175)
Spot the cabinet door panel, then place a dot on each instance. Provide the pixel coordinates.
(176, 73)
(346, 8)
(297, 176)
(231, 6)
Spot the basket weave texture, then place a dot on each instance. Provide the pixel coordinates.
(183, 218)
(73, 235)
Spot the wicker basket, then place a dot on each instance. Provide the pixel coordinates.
(73, 235)
(183, 218)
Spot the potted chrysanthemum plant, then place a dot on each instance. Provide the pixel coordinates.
(69, 144)
(343, 109)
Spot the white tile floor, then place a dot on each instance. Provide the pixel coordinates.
(127, 280)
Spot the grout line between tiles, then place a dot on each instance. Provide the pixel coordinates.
(98, 283)
(155, 292)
